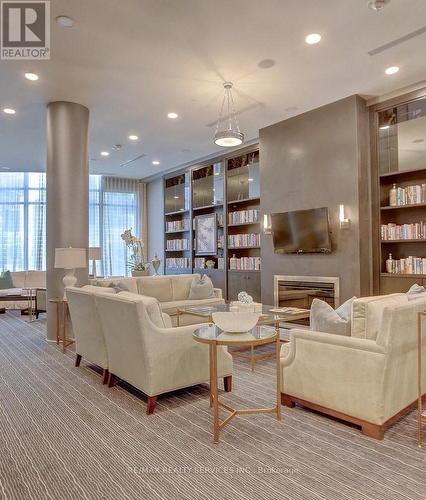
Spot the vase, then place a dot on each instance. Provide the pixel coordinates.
(136, 274)
(156, 262)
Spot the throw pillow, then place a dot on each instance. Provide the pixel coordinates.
(201, 288)
(416, 292)
(324, 318)
(6, 280)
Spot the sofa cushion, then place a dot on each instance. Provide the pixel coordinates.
(152, 307)
(127, 285)
(158, 287)
(181, 285)
(6, 280)
(367, 313)
(35, 279)
(201, 288)
(18, 279)
(416, 292)
(323, 318)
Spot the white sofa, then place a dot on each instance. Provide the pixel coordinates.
(171, 292)
(21, 280)
(369, 378)
(145, 351)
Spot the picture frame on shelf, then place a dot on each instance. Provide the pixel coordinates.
(206, 234)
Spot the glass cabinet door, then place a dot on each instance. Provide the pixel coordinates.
(402, 137)
(207, 186)
(176, 194)
(244, 177)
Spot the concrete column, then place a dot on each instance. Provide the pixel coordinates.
(67, 193)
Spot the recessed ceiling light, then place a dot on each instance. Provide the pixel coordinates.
(173, 116)
(9, 111)
(392, 70)
(133, 137)
(156, 162)
(65, 21)
(313, 38)
(377, 4)
(250, 179)
(384, 127)
(31, 76)
(176, 197)
(104, 153)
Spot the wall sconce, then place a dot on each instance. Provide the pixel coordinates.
(267, 224)
(344, 222)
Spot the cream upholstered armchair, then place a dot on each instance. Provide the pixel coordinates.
(86, 326)
(147, 353)
(368, 382)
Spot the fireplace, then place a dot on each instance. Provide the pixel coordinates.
(300, 291)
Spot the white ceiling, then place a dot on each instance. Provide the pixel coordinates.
(132, 61)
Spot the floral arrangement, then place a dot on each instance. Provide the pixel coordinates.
(138, 262)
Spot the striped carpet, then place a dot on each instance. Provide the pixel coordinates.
(65, 436)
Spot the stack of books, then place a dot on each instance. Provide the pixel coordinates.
(177, 225)
(181, 263)
(411, 195)
(244, 240)
(199, 262)
(410, 265)
(182, 244)
(244, 216)
(245, 264)
(415, 231)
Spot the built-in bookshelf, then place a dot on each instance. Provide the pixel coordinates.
(400, 160)
(220, 198)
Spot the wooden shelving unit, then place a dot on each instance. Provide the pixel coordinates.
(228, 184)
(397, 160)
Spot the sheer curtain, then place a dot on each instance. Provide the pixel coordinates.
(22, 221)
(116, 204)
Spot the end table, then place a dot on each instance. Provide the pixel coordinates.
(62, 315)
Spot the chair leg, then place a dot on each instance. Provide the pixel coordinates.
(287, 401)
(227, 383)
(77, 360)
(373, 431)
(111, 380)
(105, 374)
(152, 402)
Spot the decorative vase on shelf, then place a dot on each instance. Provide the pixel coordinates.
(210, 264)
(156, 262)
(389, 264)
(393, 196)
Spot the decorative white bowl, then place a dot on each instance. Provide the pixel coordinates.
(235, 322)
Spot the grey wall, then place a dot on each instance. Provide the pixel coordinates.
(155, 207)
(320, 159)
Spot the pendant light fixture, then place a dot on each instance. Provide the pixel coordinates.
(228, 132)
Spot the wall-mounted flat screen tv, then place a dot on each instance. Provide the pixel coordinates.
(302, 231)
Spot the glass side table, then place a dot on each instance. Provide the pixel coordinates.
(213, 336)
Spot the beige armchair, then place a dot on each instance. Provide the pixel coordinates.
(86, 326)
(370, 383)
(148, 355)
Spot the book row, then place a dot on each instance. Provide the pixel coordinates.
(178, 225)
(409, 195)
(244, 240)
(244, 216)
(409, 265)
(180, 244)
(245, 264)
(180, 263)
(413, 231)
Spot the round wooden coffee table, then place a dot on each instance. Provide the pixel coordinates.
(213, 336)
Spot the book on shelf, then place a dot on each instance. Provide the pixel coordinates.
(179, 244)
(414, 231)
(177, 263)
(245, 263)
(244, 216)
(177, 225)
(199, 262)
(408, 265)
(409, 195)
(244, 240)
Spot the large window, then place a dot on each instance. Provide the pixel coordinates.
(115, 205)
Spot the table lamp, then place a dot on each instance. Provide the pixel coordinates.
(95, 253)
(70, 259)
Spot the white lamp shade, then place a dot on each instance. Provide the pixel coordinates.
(70, 258)
(95, 253)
